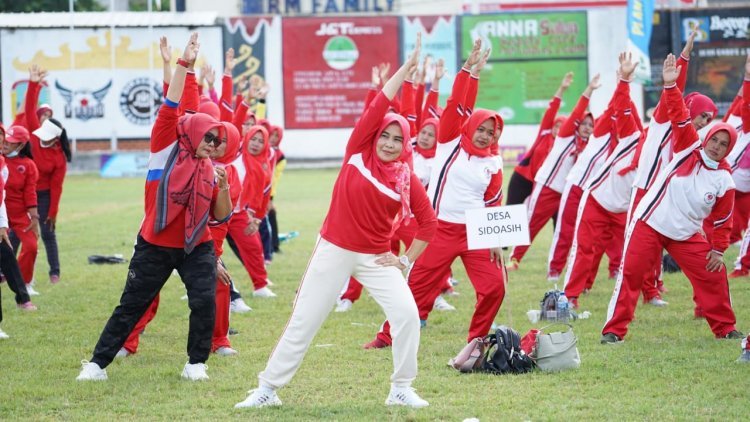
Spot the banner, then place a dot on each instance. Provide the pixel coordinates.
(248, 38)
(496, 227)
(640, 16)
(100, 84)
(327, 67)
(438, 42)
(531, 52)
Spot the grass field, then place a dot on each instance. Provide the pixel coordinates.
(669, 368)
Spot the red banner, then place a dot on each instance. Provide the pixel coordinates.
(328, 64)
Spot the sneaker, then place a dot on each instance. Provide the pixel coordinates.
(513, 265)
(260, 397)
(376, 344)
(344, 306)
(442, 305)
(737, 273)
(610, 338)
(422, 323)
(232, 332)
(734, 335)
(91, 372)
(744, 357)
(54, 279)
(660, 286)
(30, 290)
(658, 302)
(553, 276)
(195, 371)
(453, 281)
(3, 335)
(451, 292)
(264, 292)
(574, 302)
(239, 306)
(405, 396)
(27, 306)
(226, 351)
(122, 353)
(184, 297)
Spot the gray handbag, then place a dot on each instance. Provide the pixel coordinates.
(556, 351)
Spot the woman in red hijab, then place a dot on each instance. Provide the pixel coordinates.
(372, 196)
(182, 190)
(696, 187)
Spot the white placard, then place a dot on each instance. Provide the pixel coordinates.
(497, 227)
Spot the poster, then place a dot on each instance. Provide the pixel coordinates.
(639, 24)
(101, 84)
(438, 42)
(248, 38)
(327, 66)
(531, 52)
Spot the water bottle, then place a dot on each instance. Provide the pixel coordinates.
(563, 308)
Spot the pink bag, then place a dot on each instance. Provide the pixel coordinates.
(470, 357)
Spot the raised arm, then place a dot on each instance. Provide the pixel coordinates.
(455, 109)
(166, 57)
(626, 126)
(548, 120)
(430, 104)
(683, 131)
(408, 109)
(473, 90)
(36, 77)
(571, 123)
(684, 60)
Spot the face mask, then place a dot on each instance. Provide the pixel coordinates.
(708, 161)
(12, 154)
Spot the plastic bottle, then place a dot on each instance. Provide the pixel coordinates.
(563, 308)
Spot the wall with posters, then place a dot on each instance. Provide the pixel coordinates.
(101, 84)
(438, 42)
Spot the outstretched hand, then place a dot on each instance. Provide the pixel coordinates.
(689, 43)
(627, 65)
(165, 50)
(567, 80)
(36, 73)
(191, 49)
(475, 55)
(670, 72)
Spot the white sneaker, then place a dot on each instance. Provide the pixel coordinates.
(195, 371)
(30, 290)
(657, 301)
(405, 396)
(3, 335)
(123, 352)
(260, 397)
(442, 305)
(453, 281)
(226, 351)
(184, 297)
(91, 372)
(264, 292)
(344, 306)
(239, 306)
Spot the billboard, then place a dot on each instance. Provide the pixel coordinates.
(531, 52)
(101, 83)
(327, 66)
(438, 42)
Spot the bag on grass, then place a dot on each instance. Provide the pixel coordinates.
(105, 259)
(504, 354)
(549, 305)
(669, 264)
(556, 351)
(470, 357)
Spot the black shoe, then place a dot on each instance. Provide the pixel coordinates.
(610, 338)
(734, 335)
(233, 332)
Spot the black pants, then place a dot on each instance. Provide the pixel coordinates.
(519, 188)
(274, 229)
(149, 269)
(9, 267)
(48, 235)
(265, 238)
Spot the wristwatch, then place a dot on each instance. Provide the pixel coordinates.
(404, 260)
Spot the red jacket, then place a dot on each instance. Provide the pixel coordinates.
(20, 188)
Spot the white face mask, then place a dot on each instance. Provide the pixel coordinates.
(708, 161)
(12, 154)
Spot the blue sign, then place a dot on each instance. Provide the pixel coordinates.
(640, 23)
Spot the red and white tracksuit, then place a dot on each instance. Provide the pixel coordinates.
(357, 228)
(459, 182)
(671, 216)
(20, 195)
(740, 174)
(603, 211)
(549, 182)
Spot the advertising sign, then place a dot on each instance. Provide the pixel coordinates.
(438, 42)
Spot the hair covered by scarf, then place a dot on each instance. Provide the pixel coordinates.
(258, 167)
(428, 153)
(187, 181)
(396, 173)
(470, 127)
(723, 164)
(233, 143)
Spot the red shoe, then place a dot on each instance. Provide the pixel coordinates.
(742, 272)
(660, 286)
(376, 344)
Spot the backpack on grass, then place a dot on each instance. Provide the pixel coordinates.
(504, 354)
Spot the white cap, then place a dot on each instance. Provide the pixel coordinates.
(48, 131)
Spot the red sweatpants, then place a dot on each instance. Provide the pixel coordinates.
(427, 278)
(251, 249)
(744, 256)
(543, 205)
(740, 214)
(564, 229)
(642, 250)
(131, 344)
(405, 233)
(221, 325)
(597, 230)
(29, 244)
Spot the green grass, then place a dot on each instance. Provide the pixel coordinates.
(670, 367)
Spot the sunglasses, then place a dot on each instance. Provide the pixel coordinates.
(211, 139)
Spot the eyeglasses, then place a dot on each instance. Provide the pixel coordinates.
(210, 138)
